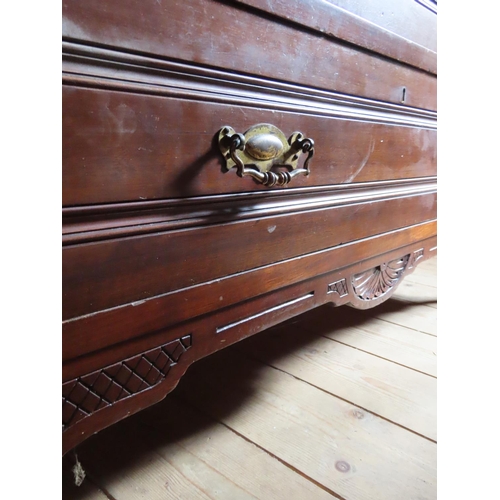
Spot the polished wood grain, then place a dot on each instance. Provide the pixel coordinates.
(168, 257)
(106, 328)
(114, 220)
(207, 32)
(128, 147)
(107, 274)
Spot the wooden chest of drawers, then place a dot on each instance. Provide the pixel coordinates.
(226, 166)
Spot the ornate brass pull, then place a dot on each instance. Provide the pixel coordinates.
(262, 147)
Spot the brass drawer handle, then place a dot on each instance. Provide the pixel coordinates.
(262, 147)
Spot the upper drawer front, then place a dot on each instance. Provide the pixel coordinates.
(124, 146)
(312, 43)
(415, 20)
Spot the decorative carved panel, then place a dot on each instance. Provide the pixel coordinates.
(339, 287)
(376, 282)
(85, 395)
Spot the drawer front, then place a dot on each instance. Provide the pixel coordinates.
(120, 146)
(147, 319)
(106, 274)
(412, 19)
(251, 41)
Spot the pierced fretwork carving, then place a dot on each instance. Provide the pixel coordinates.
(376, 282)
(339, 287)
(85, 395)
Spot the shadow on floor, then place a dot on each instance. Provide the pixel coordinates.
(119, 451)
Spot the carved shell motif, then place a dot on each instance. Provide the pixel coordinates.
(375, 282)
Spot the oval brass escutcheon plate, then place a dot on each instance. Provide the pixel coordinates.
(262, 147)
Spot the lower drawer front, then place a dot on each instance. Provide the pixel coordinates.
(120, 146)
(125, 331)
(102, 275)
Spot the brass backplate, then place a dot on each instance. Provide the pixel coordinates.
(264, 146)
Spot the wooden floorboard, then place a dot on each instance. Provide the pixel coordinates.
(427, 278)
(365, 331)
(414, 316)
(86, 491)
(337, 403)
(416, 293)
(429, 265)
(394, 392)
(344, 448)
(181, 453)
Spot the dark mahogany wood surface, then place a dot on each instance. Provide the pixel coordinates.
(142, 319)
(167, 257)
(128, 147)
(228, 35)
(113, 220)
(106, 274)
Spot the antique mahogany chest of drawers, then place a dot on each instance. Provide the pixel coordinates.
(226, 166)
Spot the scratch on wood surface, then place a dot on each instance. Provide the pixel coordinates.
(363, 162)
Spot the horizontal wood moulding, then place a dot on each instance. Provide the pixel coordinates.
(130, 147)
(97, 222)
(106, 274)
(123, 331)
(246, 40)
(96, 67)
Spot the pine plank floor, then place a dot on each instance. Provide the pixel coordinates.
(336, 403)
